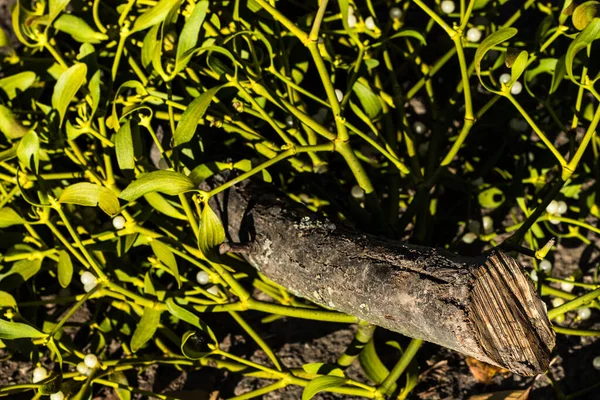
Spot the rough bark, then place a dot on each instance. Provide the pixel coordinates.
(484, 307)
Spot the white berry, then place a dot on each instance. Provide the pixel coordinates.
(488, 224)
(214, 290)
(87, 278)
(395, 13)
(39, 374)
(89, 288)
(545, 266)
(473, 35)
(567, 287)
(357, 192)
(596, 362)
(339, 94)
(552, 208)
(289, 121)
(475, 227)
(448, 6)
(119, 222)
(419, 127)
(557, 302)
(584, 313)
(469, 238)
(57, 396)
(350, 10)
(202, 277)
(561, 207)
(351, 20)
(534, 276)
(516, 88)
(505, 78)
(90, 360)
(370, 23)
(82, 368)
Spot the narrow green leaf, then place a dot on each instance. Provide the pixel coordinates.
(10, 126)
(91, 195)
(165, 255)
(9, 217)
(149, 45)
(120, 377)
(148, 285)
(321, 384)
(193, 348)
(16, 330)
(4, 39)
(369, 100)
(492, 40)
(94, 88)
(124, 147)
(55, 350)
(28, 151)
(344, 5)
(559, 74)
(186, 127)
(323, 369)
(145, 329)
(65, 269)
(153, 16)
(7, 300)
(25, 269)
(190, 318)
(66, 87)
(371, 363)
(204, 171)
(162, 205)
(55, 7)
(190, 32)
(168, 182)
(518, 66)
(585, 37)
(409, 33)
(211, 232)
(78, 29)
(21, 81)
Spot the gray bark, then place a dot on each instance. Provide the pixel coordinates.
(484, 307)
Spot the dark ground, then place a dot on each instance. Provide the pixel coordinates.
(444, 373)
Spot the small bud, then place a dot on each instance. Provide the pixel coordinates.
(351, 20)
(488, 224)
(516, 88)
(119, 221)
(474, 35)
(339, 94)
(533, 274)
(419, 128)
(357, 192)
(214, 290)
(448, 6)
(39, 374)
(289, 121)
(90, 360)
(202, 277)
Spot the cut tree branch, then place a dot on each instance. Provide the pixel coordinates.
(484, 307)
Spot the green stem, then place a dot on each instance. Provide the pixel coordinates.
(400, 366)
(573, 304)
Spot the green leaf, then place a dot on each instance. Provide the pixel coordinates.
(323, 369)
(165, 255)
(10, 126)
(149, 45)
(190, 32)
(585, 13)
(369, 100)
(4, 39)
(204, 171)
(16, 330)
(148, 285)
(28, 151)
(55, 7)
(189, 347)
(408, 33)
(162, 205)
(120, 377)
(567, 9)
(168, 182)
(153, 16)
(25, 269)
(66, 87)
(344, 5)
(559, 73)
(94, 88)
(211, 232)
(492, 40)
(21, 81)
(186, 127)
(145, 329)
(78, 29)
(371, 363)
(91, 195)
(9, 217)
(518, 66)
(7, 300)
(190, 318)
(55, 350)
(321, 384)
(65, 269)
(124, 146)
(585, 37)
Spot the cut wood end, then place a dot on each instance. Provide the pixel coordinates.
(509, 318)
